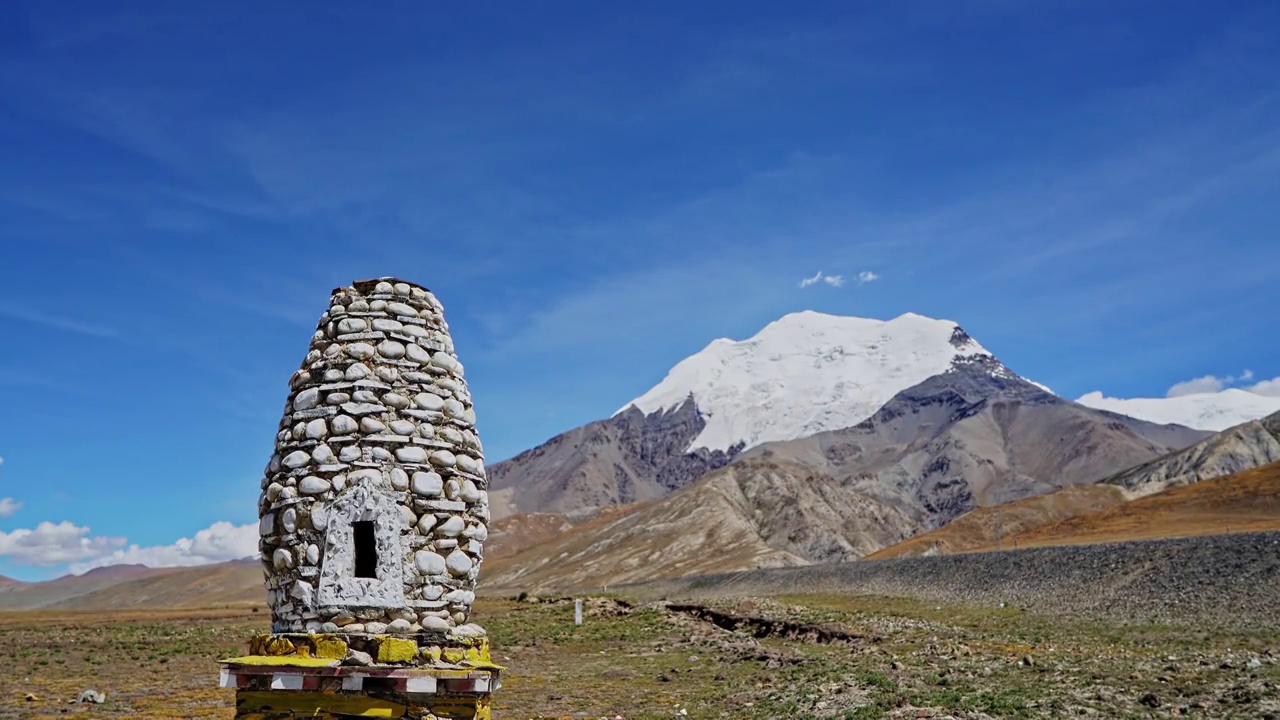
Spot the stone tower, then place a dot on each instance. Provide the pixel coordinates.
(373, 507)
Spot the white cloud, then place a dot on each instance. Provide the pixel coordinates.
(9, 506)
(1214, 383)
(832, 280)
(217, 543)
(1206, 384)
(867, 276)
(1270, 387)
(50, 544)
(67, 543)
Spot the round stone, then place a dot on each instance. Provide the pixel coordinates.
(427, 484)
(427, 430)
(375, 628)
(289, 520)
(332, 375)
(432, 592)
(407, 515)
(380, 454)
(361, 350)
(336, 310)
(452, 488)
(435, 624)
(312, 485)
(398, 627)
(427, 401)
(452, 527)
(313, 554)
(402, 309)
(395, 400)
(378, 305)
(364, 396)
(429, 563)
(267, 525)
(411, 454)
(372, 426)
(283, 559)
(387, 325)
(417, 354)
(443, 458)
(273, 490)
(469, 493)
(306, 399)
(338, 482)
(343, 425)
(358, 306)
(349, 454)
(403, 288)
(466, 463)
(426, 524)
(323, 455)
(358, 371)
(387, 374)
(296, 459)
(479, 532)
(458, 563)
(403, 427)
(445, 361)
(366, 475)
(348, 326)
(391, 349)
(384, 288)
(317, 429)
(399, 479)
(453, 408)
(336, 398)
(416, 331)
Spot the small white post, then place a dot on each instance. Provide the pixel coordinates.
(577, 612)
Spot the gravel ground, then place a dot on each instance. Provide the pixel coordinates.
(1221, 579)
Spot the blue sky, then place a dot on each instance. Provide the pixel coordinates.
(595, 192)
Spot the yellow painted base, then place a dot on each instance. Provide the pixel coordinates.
(287, 705)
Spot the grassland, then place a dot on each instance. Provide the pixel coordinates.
(902, 658)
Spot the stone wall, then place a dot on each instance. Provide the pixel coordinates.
(374, 506)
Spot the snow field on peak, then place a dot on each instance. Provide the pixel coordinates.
(1214, 411)
(805, 373)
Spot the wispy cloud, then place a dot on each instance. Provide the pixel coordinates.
(35, 317)
(9, 506)
(867, 276)
(1218, 383)
(821, 277)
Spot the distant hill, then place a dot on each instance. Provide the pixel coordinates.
(123, 587)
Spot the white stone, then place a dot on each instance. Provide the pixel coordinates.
(267, 524)
(312, 485)
(444, 361)
(403, 288)
(409, 518)
(350, 453)
(380, 454)
(435, 624)
(429, 563)
(367, 475)
(452, 488)
(398, 627)
(387, 374)
(336, 310)
(417, 354)
(361, 350)
(348, 326)
(304, 592)
(332, 375)
(427, 484)
(364, 396)
(453, 408)
(395, 400)
(320, 514)
(415, 331)
(458, 563)
(375, 628)
(463, 597)
(399, 479)
(378, 305)
(443, 458)
(452, 527)
(289, 520)
(372, 426)
(391, 349)
(358, 371)
(466, 463)
(427, 430)
(480, 532)
(333, 351)
(469, 630)
(403, 427)
(384, 288)
(297, 459)
(343, 425)
(274, 490)
(282, 559)
(358, 306)
(427, 401)
(306, 399)
(336, 398)
(411, 454)
(289, 493)
(469, 493)
(425, 524)
(432, 593)
(313, 551)
(298, 431)
(339, 482)
(387, 325)
(323, 455)
(403, 309)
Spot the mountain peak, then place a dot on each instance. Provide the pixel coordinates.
(807, 372)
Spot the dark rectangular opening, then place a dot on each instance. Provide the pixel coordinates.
(366, 549)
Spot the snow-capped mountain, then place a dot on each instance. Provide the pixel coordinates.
(809, 372)
(1214, 411)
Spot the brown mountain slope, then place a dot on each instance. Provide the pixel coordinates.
(1243, 502)
(238, 582)
(631, 457)
(1242, 447)
(25, 596)
(761, 513)
(989, 527)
